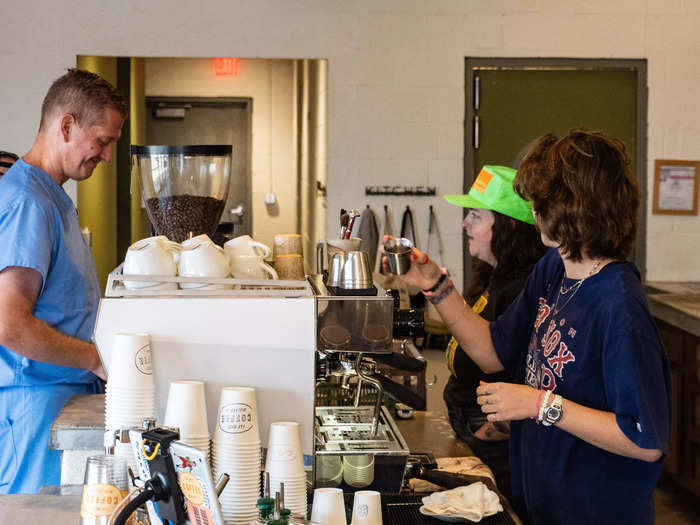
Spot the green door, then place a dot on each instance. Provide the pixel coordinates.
(517, 106)
(510, 105)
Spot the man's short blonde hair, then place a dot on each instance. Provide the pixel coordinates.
(84, 95)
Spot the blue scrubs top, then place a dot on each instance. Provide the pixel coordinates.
(39, 229)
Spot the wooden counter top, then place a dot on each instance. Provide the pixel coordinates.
(678, 304)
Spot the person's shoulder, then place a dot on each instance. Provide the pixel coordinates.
(621, 293)
(18, 187)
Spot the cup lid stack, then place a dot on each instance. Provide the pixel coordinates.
(285, 464)
(236, 451)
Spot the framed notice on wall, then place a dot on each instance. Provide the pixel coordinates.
(676, 187)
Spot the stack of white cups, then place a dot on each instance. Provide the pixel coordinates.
(187, 411)
(130, 391)
(285, 464)
(236, 452)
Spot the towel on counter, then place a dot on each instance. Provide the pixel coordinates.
(469, 465)
(369, 233)
(472, 502)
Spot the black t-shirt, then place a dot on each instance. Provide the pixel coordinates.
(461, 389)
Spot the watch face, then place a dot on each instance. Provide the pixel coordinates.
(553, 413)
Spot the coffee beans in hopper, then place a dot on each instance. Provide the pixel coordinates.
(180, 217)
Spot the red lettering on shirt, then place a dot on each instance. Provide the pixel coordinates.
(548, 381)
(563, 357)
(551, 343)
(542, 313)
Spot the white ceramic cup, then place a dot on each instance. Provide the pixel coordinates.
(367, 508)
(151, 256)
(187, 410)
(237, 417)
(201, 257)
(245, 245)
(328, 507)
(251, 267)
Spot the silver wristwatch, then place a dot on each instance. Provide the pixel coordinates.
(553, 412)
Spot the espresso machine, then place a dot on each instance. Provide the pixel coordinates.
(298, 343)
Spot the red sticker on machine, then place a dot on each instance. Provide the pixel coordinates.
(199, 515)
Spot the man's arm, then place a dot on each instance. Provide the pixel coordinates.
(24, 334)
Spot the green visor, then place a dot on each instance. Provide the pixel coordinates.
(493, 190)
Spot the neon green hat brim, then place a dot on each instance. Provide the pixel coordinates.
(493, 190)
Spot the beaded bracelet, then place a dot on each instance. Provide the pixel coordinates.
(539, 403)
(437, 299)
(540, 413)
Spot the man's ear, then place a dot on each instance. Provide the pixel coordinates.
(67, 126)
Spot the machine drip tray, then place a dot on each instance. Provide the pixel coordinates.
(400, 509)
(348, 429)
(329, 416)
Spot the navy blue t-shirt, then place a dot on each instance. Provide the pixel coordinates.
(601, 350)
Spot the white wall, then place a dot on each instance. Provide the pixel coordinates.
(383, 56)
(270, 84)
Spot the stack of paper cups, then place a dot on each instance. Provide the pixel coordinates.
(236, 452)
(130, 391)
(285, 464)
(187, 411)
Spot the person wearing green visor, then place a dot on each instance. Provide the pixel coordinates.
(505, 246)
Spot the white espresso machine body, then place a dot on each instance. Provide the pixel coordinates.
(267, 343)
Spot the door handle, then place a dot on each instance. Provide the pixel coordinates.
(237, 214)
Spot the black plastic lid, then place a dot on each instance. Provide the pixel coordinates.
(213, 150)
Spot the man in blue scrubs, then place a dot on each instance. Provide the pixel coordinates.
(48, 284)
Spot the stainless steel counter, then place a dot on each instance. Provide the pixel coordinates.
(40, 509)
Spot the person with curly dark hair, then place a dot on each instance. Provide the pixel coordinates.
(505, 245)
(590, 400)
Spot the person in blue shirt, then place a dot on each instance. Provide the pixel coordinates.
(49, 291)
(590, 405)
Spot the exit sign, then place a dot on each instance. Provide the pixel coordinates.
(226, 66)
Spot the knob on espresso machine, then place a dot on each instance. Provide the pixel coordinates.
(407, 323)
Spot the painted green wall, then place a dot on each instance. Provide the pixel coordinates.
(97, 203)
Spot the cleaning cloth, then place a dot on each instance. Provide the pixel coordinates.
(472, 502)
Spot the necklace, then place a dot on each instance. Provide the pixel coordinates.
(575, 287)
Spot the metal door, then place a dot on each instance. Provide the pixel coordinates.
(510, 102)
(199, 121)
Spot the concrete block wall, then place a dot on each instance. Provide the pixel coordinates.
(396, 78)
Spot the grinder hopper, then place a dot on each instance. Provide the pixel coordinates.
(184, 188)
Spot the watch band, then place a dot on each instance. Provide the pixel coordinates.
(552, 414)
